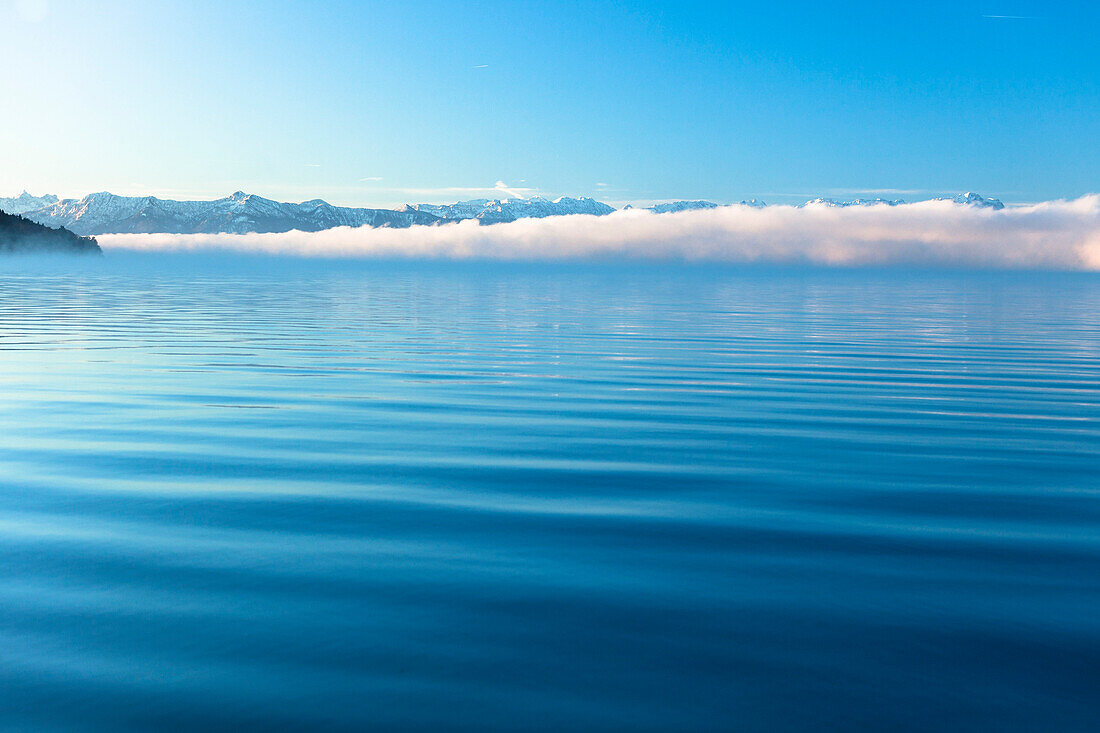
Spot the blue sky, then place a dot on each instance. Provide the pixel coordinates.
(380, 103)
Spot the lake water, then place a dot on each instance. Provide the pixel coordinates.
(300, 495)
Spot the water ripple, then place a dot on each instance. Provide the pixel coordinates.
(412, 497)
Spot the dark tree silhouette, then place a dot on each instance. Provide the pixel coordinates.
(18, 234)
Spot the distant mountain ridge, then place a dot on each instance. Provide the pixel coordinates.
(489, 211)
(24, 202)
(966, 199)
(674, 206)
(242, 213)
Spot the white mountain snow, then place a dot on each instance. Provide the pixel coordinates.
(24, 202)
(967, 199)
(973, 199)
(855, 202)
(674, 206)
(103, 213)
(106, 213)
(503, 210)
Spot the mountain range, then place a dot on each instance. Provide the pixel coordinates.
(504, 210)
(24, 202)
(240, 213)
(966, 199)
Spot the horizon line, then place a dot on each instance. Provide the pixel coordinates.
(839, 195)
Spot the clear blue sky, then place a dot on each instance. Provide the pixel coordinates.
(379, 103)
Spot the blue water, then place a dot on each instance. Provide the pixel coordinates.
(293, 495)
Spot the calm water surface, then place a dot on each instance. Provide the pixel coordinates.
(292, 495)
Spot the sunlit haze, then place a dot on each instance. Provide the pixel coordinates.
(378, 104)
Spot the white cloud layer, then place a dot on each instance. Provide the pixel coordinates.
(1054, 234)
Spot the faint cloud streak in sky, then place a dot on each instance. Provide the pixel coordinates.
(879, 191)
(511, 191)
(449, 192)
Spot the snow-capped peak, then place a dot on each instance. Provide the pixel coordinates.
(504, 210)
(675, 206)
(974, 199)
(104, 212)
(25, 202)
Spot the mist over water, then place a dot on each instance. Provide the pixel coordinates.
(296, 494)
(1060, 235)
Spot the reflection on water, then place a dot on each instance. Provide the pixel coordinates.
(301, 495)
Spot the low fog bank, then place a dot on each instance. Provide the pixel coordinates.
(1050, 235)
